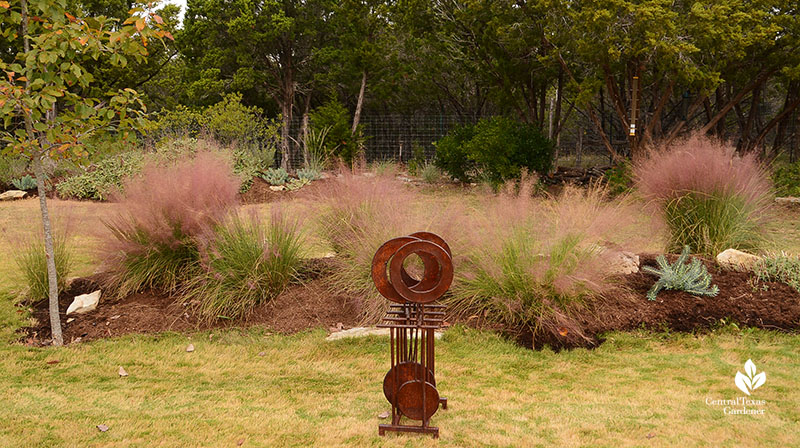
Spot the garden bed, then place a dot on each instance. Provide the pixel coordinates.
(300, 307)
(741, 301)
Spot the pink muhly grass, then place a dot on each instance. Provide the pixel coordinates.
(532, 262)
(165, 216)
(706, 195)
(701, 165)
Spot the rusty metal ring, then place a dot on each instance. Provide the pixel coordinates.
(438, 275)
(379, 263)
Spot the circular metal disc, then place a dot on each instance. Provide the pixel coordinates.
(406, 371)
(410, 403)
(434, 238)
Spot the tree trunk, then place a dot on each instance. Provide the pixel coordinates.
(304, 128)
(52, 276)
(360, 102)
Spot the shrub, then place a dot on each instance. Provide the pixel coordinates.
(620, 178)
(163, 214)
(680, 276)
(296, 184)
(245, 264)
(24, 183)
(318, 152)
(275, 176)
(532, 265)
(101, 180)
(787, 179)
(308, 174)
(496, 148)
(339, 139)
(32, 263)
(708, 197)
(782, 268)
(452, 156)
(11, 168)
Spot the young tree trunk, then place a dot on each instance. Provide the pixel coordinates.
(52, 276)
(360, 102)
(38, 169)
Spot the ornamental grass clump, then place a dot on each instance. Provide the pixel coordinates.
(32, 264)
(533, 265)
(690, 277)
(163, 215)
(245, 263)
(707, 196)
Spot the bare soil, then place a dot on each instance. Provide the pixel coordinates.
(310, 304)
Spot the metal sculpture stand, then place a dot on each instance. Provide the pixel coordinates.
(410, 384)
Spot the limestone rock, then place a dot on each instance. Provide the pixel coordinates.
(359, 332)
(10, 195)
(84, 303)
(277, 187)
(788, 200)
(737, 260)
(623, 262)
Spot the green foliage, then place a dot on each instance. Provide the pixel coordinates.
(275, 176)
(317, 151)
(296, 184)
(497, 149)
(782, 268)
(32, 263)
(713, 223)
(24, 183)
(680, 276)
(339, 140)
(246, 166)
(246, 264)
(11, 168)
(229, 122)
(102, 179)
(309, 174)
(787, 179)
(452, 156)
(620, 178)
(417, 160)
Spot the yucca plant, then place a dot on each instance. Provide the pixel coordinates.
(680, 276)
(245, 264)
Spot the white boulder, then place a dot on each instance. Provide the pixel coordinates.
(736, 260)
(10, 195)
(84, 303)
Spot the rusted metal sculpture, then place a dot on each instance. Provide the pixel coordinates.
(410, 384)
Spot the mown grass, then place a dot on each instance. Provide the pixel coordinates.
(305, 391)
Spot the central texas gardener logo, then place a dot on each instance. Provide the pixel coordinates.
(751, 381)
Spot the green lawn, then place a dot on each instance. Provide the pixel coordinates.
(305, 391)
(637, 389)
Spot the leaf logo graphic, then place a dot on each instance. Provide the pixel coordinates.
(751, 381)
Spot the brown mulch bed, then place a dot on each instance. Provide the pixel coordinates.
(299, 307)
(769, 305)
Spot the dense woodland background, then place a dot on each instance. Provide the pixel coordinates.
(730, 68)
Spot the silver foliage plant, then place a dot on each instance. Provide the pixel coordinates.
(692, 277)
